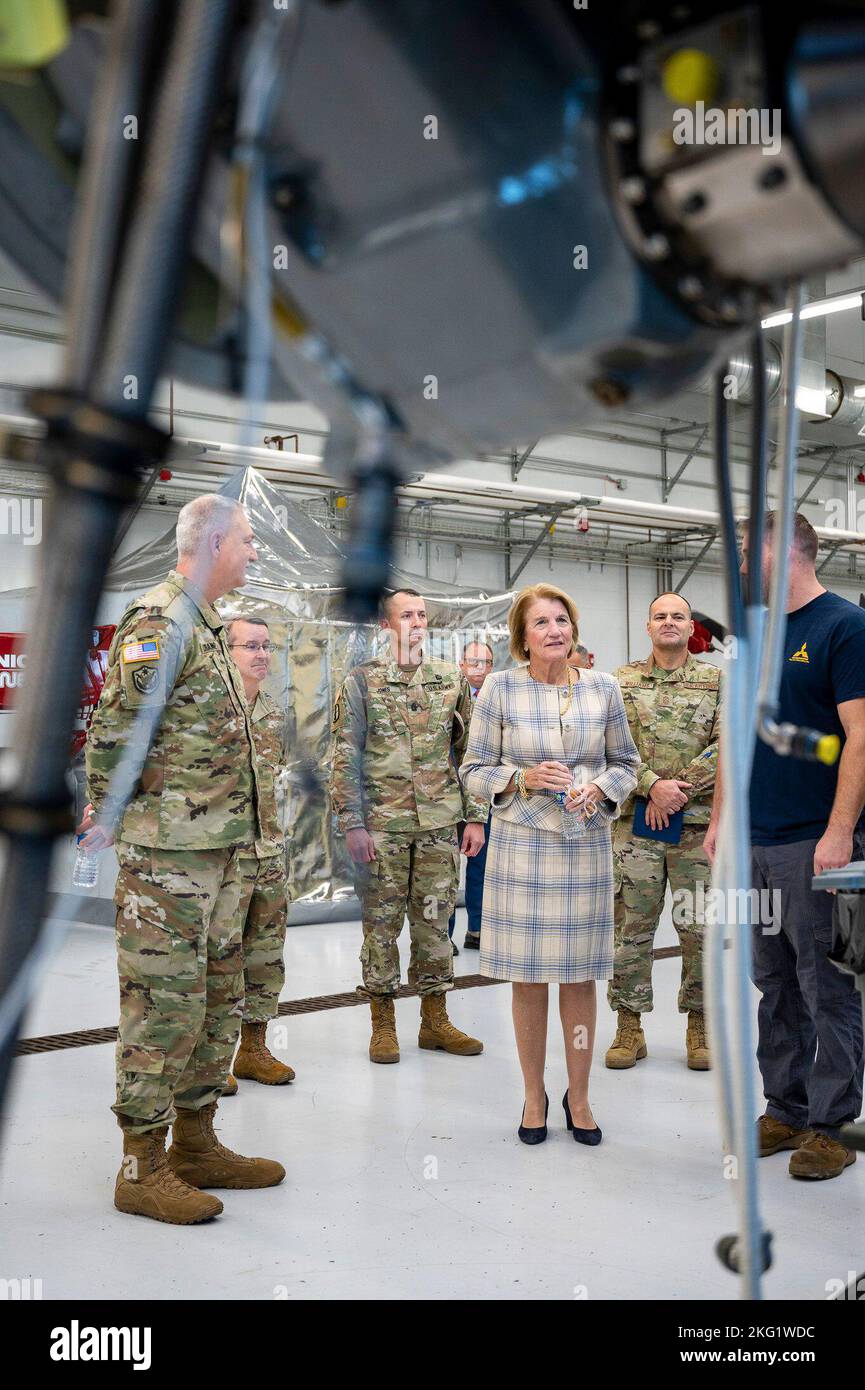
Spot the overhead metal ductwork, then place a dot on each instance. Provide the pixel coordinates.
(741, 370)
(843, 405)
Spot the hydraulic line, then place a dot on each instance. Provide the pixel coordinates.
(246, 233)
(136, 38)
(96, 453)
(153, 261)
(770, 678)
(714, 936)
(733, 873)
(757, 509)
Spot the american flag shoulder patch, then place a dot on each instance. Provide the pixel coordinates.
(139, 651)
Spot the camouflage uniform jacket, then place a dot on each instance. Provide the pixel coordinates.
(268, 732)
(675, 721)
(192, 776)
(398, 739)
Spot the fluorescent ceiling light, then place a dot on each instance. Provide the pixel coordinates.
(816, 309)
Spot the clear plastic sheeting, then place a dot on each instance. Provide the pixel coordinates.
(295, 587)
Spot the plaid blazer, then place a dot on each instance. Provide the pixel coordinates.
(517, 722)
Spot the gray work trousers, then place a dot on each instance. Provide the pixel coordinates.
(809, 1021)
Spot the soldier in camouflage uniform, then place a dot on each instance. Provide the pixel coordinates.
(672, 704)
(400, 731)
(263, 907)
(173, 776)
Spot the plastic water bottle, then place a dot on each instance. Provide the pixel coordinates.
(86, 870)
(572, 822)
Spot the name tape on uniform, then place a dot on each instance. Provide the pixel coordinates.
(139, 651)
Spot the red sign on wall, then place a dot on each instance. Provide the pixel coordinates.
(12, 663)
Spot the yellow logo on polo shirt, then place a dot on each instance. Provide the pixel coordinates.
(801, 654)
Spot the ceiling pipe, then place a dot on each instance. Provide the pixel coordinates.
(741, 370)
(844, 407)
(484, 493)
(501, 494)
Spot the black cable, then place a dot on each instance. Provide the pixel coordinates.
(723, 480)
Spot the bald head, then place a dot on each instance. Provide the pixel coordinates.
(670, 628)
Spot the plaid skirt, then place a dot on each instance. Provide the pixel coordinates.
(548, 906)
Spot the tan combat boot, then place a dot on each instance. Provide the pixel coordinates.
(695, 1042)
(436, 1029)
(819, 1156)
(383, 1045)
(254, 1062)
(147, 1186)
(774, 1135)
(197, 1156)
(629, 1044)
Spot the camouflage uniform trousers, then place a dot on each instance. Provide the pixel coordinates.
(181, 980)
(642, 869)
(414, 872)
(264, 917)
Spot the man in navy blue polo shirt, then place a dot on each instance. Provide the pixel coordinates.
(806, 817)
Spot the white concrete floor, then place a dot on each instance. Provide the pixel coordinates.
(405, 1181)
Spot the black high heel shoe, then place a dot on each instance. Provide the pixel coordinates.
(582, 1136)
(538, 1133)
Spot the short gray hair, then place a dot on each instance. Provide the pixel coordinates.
(203, 517)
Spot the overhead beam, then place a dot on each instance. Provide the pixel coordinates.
(830, 457)
(668, 487)
(538, 541)
(695, 562)
(518, 462)
(830, 555)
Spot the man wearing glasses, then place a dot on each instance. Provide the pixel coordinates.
(263, 908)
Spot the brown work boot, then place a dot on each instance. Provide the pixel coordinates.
(436, 1029)
(774, 1135)
(383, 1045)
(230, 1087)
(254, 1062)
(818, 1156)
(147, 1186)
(198, 1157)
(629, 1044)
(695, 1042)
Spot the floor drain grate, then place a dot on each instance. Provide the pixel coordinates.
(87, 1037)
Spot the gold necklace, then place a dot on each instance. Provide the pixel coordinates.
(572, 680)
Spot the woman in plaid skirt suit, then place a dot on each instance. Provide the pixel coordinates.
(537, 732)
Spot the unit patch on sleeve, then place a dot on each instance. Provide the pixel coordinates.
(145, 679)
